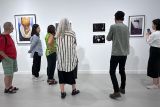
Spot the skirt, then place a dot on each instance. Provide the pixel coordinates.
(153, 69)
(67, 77)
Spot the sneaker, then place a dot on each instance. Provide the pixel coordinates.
(33, 77)
(115, 95)
(152, 86)
(63, 95)
(122, 91)
(38, 79)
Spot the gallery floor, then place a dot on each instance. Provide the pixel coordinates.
(94, 93)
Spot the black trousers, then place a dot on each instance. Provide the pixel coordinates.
(114, 61)
(51, 60)
(36, 64)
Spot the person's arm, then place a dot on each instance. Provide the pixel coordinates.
(34, 43)
(2, 48)
(50, 41)
(149, 38)
(110, 34)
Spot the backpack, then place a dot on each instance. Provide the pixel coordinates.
(5, 42)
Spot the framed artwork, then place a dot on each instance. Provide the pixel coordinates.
(56, 26)
(0, 29)
(99, 27)
(98, 38)
(23, 26)
(136, 25)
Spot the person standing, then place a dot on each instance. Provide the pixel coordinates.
(153, 69)
(67, 60)
(51, 54)
(8, 56)
(36, 51)
(119, 35)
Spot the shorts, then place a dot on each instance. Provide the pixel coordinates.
(9, 66)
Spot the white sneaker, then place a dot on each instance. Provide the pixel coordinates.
(33, 77)
(152, 86)
(38, 78)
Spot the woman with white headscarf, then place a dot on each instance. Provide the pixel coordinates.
(67, 60)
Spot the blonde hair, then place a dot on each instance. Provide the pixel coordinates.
(7, 26)
(63, 26)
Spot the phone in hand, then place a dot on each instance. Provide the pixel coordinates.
(149, 31)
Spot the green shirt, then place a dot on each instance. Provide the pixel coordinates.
(50, 49)
(119, 35)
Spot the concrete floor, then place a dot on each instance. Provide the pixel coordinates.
(94, 93)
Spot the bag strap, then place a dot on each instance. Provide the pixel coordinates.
(4, 37)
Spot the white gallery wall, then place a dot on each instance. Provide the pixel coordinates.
(93, 58)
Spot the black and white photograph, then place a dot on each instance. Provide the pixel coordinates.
(99, 27)
(136, 25)
(98, 38)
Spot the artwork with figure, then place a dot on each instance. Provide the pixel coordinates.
(136, 25)
(98, 38)
(98, 27)
(24, 27)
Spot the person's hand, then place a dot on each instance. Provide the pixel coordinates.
(8, 60)
(29, 51)
(147, 34)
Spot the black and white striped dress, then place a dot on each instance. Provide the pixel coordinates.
(67, 60)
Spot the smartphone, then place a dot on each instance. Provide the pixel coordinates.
(149, 31)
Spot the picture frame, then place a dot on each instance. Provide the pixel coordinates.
(23, 26)
(136, 25)
(98, 39)
(98, 27)
(0, 29)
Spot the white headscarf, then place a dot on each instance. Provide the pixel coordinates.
(63, 26)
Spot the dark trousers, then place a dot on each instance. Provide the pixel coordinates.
(114, 61)
(51, 60)
(36, 64)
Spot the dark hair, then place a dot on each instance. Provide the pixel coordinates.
(51, 29)
(34, 30)
(119, 15)
(156, 22)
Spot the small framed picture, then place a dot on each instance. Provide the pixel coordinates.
(56, 26)
(99, 27)
(23, 27)
(0, 29)
(136, 25)
(98, 38)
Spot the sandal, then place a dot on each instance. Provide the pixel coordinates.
(9, 90)
(74, 92)
(15, 88)
(52, 82)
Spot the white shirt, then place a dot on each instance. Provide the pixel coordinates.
(66, 52)
(154, 39)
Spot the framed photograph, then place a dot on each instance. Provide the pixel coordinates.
(56, 26)
(98, 38)
(99, 27)
(23, 26)
(0, 29)
(136, 25)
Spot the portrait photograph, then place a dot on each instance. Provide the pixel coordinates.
(99, 27)
(136, 25)
(23, 27)
(98, 38)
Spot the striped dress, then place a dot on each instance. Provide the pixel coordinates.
(66, 52)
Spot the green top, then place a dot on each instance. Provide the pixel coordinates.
(119, 35)
(50, 50)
